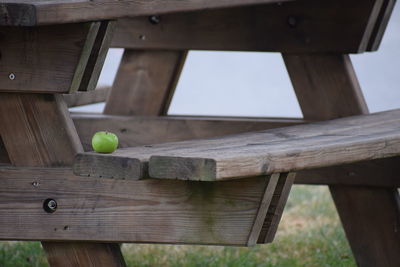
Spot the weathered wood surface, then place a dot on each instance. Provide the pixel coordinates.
(97, 56)
(275, 211)
(86, 98)
(380, 172)
(369, 215)
(293, 148)
(38, 12)
(321, 83)
(37, 131)
(145, 82)
(46, 59)
(146, 130)
(76, 254)
(103, 210)
(296, 27)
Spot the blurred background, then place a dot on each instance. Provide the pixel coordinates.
(257, 84)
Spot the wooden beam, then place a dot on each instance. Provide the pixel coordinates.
(37, 131)
(380, 172)
(38, 12)
(287, 149)
(146, 130)
(49, 59)
(149, 211)
(274, 214)
(86, 98)
(380, 25)
(327, 85)
(145, 82)
(97, 56)
(292, 27)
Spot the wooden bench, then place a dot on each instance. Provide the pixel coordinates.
(51, 55)
(290, 149)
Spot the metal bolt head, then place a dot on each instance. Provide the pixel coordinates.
(35, 183)
(50, 205)
(154, 19)
(11, 76)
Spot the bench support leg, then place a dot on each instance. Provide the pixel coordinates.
(327, 88)
(37, 131)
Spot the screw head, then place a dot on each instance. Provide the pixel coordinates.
(35, 183)
(11, 76)
(154, 19)
(50, 205)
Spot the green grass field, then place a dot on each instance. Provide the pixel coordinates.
(309, 235)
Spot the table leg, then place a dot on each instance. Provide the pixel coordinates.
(145, 82)
(37, 131)
(326, 87)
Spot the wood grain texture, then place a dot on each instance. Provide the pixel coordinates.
(147, 130)
(275, 211)
(295, 27)
(373, 242)
(38, 12)
(76, 254)
(147, 211)
(293, 148)
(37, 131)
(86, 98)
(326, 85)
(145, 82)
(369, 216)
(48, 59)
(97, 56)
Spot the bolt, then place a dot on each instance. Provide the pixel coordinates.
(292, 21)
(35, 184)
(11, 76)
(154, 19)
(50, 205)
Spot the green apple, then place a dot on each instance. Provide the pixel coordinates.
(104, 142)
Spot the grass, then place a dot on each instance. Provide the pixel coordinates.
(309, 235)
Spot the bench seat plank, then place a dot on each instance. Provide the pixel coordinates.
(307, 146)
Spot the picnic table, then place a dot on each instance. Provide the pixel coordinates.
(187, 180)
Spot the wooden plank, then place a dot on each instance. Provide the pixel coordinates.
(38, 12)
(369, 216)
(148, 211)
(76, 254)
(263, 209)
(317, 88)
(97, 56)
(293, 148)
(275, 210)
(45, 59)
(380, 26)
(86, 98)
(37, 131)
(253, 157)
(295, 27)
(146, 130)
(381, 172)
(145, 82)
